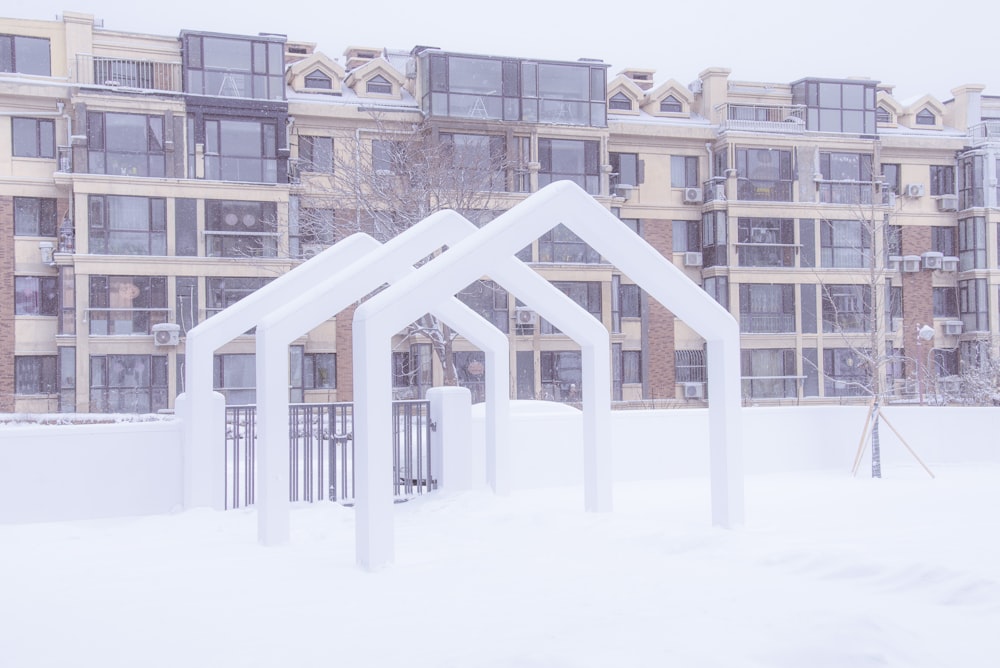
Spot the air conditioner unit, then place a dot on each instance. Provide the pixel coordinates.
(692, 259)
(166, 334)
(914, 190)
(889, 199)
(911, 263)
(524, 316)
(694, 390)
(311, 250)
(625, 191)
(953, 327)
(933, 260)
(948, 203)
(897, 323)
(949, 263)
(45, 250)
(893, 263)
(693, 195)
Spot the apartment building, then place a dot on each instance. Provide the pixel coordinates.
(147, 182)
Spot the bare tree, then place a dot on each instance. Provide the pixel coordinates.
(389, 176)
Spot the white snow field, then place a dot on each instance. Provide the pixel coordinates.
(829, 571)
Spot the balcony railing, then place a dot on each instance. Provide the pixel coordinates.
(767, 323)
(847, 192)
(128, 73)
(715, 189)
(763, 117)
(755, 190)
(985, 133)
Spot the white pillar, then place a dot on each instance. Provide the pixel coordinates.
(451, 438)
(273, 505)
(204, 432)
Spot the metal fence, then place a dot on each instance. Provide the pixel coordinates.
(321, 452)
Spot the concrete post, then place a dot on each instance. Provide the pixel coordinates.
(451, 438)
(204, 433)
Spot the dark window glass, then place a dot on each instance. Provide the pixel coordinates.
(625, 170)
(620, 102)
(945, 302)
(942, 180)
(226, 291)
(972, 243)
(379, 85)
(488, 300)
(316, 153)
(671, 104)
(846, 308)
(36, 295)
(241, 150)
(764, 174)
(769, 373)
(845, 243)
(128, 383)
(234, 67)
(571, 160)
(35, 216)
(560, 244)
(683, 171)
(766, 242)
(561, 375)
(125, 144)
(319, 371)
(317, 79)
(35, 374)
(121, 225)
(26, 55)
(33, 138)
(127, 305)
(926, 117)
(240, 229)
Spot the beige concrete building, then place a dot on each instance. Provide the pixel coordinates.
(147, 182)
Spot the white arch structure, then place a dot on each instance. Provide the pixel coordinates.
(487, 252)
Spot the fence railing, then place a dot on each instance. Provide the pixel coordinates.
(128, 73)
(321, 452)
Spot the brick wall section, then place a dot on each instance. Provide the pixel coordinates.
(7, 304)
(918, 292)
(660, 343)
(345, 354)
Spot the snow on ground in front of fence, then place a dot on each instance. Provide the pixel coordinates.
(829, 571)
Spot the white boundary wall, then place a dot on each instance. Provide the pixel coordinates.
(70, 472)
(63, 472)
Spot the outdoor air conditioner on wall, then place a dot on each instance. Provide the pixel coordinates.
(953, 328)
(948, 203)
(933, 260)
(911, 263)
(694, 390)
(311, 250)
(914, 190)
(166, 334)
(524, 316)
(949, 263)
(692, 195)
(692, 259)
(894, 262)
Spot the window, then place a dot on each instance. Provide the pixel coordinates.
(894, 240)
(240, 229)
(317, 229)
(972, 305)
(36, 295)
(388, 157)
(488, 300)
(971, 170)
(945, 303)
(35, 217)
(127, 305)
(943, 240)
(241, 150)
(25, 55)
(631, 366)
(626, 169)
(572, 160)
(946, 361)
(316, 153)
(837, 106)
(718, 288)
(125, 144)
(683, 171)
(128, 383)
(890, 178)
(942, 180)
(235, 377)
(714, 235)
(687, 236)
(630, 300)
(767, 308)
(585, 293)
(319, 371)
(765, 174)
(378, 85)
(882, 115)
(561, 375)
(318, 80)
(485, 88)
(187, 302)
(226, 291)
(926, 117)
(234, 67)
(846, 308)
(561, 245)
(689, 366)
(470, 367)
(33, 138)
(35, 374)
(766, 242)
(846, 373)
(972, 243)
(620, 102)
(477, 161)
(847, 178)
(121, 225)
(768, 373)
(845, 243)
(671, 105)
(411, 372)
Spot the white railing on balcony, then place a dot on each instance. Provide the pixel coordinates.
(128, 73)
(762, 117)
(986, 132)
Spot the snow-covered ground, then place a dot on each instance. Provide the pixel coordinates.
(830, 571)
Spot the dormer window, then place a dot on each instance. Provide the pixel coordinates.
(926, 117)
(317, 79)
(671, 105)
(882, 115)
(379, 85)
(620, 101)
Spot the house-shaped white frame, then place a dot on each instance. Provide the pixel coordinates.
(486, 253)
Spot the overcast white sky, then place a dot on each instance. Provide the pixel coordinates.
(920, 46)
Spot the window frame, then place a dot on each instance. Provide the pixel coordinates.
(42, 142)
